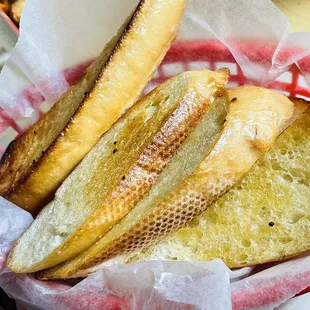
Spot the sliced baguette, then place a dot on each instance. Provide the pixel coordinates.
(123, 166)
(35, 165)
(265, 218)
(254, 121)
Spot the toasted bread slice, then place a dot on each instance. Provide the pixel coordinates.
(35, 165)
(265, 218)
(254, 121)
(123, 166)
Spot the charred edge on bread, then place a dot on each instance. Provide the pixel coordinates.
(8, 152)
(34, 165)
(6, 162)
(115, 49)
(14, 143)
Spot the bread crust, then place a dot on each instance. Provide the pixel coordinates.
(30, 182)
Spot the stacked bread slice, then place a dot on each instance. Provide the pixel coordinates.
(192, 171)
(183, 115)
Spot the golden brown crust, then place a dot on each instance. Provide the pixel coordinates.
(35, 183)
(15, 153)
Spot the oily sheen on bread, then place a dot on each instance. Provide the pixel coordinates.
(182, 116)
(253, 123)
(36, 164)
(265, 218)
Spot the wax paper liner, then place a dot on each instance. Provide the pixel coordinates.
(60, 38)
(150, 285)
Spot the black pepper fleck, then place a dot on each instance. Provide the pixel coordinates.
(271, 224)
(233, 99)
(114, 142)
(114, 151)
(123, 178)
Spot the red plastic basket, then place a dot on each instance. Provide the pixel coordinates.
(193, 55)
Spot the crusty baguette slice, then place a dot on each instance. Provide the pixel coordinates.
(35, 165)
(254, 121)
(123, 166)
(265, 218)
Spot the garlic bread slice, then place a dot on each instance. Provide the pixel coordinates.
(123, 166)
(35, 165)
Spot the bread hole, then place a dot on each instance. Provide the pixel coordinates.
(286, 240)
(199, 234)
(275, 165)
(246, 243)
(296, 218)
(291, 155)
(51, 229)
(261, 163)
(288, 178)
(244, 257)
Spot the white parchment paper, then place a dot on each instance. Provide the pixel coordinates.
(57, 35)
